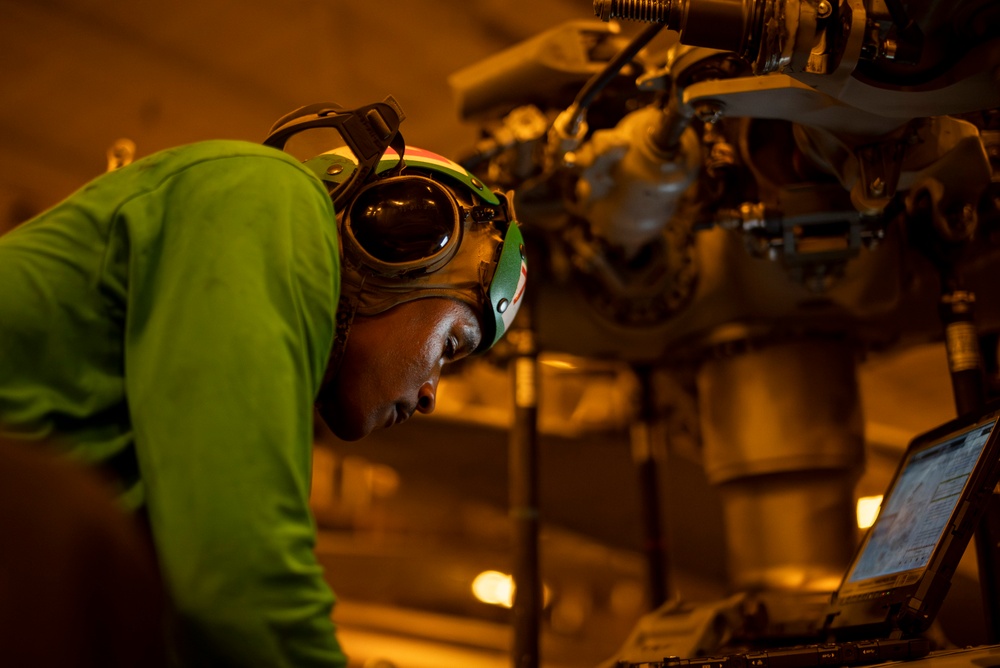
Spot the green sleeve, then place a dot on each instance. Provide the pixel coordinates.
(233, 283)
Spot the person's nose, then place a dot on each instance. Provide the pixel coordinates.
(427, 395)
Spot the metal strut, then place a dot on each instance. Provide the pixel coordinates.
(523, 489)
(965, 364)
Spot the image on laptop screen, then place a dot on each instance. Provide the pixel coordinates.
(916, 511)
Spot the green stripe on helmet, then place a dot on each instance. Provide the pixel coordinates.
(421, 159)
(335, 167)
(506, 291)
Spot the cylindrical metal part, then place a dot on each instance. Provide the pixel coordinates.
(628, 189)
(665, 134)
(965, 361)
(524, 515)
(783, 440)
(789, 531)
(649, 437)
(651, 11)
(717, 24)
(727, 25)
(654, 539)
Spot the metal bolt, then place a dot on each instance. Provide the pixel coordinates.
(969, 214)
(824, 9)
(877, 187)
(889, 48)
(333, 170)
(709, 111)
(502, 305)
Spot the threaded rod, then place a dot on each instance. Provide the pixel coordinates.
(650, 11)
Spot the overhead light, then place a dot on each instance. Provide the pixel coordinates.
(559, 364)
(494, 588)
(868, 507)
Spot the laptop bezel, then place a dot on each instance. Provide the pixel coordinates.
(863, 609)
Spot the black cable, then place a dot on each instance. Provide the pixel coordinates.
(597, 82)
(487, 149)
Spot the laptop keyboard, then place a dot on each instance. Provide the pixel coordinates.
(802, 656)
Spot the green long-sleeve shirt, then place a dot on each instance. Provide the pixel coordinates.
(171, 322)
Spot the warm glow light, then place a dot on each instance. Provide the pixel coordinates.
(868, 507)
(498, 588)
(495, 588)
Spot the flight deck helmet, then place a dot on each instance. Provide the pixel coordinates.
(412, 223)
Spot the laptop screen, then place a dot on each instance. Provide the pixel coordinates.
(916, 511)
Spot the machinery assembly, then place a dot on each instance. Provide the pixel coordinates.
(751, 196)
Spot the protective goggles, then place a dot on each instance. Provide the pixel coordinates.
(411, 230)
(412, 223)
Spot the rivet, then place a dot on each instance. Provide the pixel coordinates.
(520, 248)
(709, 111)
(502, 305)
(333, 170)
(477, 183)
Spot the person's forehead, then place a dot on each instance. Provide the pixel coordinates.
(440, 315)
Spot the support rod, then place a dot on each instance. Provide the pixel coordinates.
(965, 364)
(523, 489)
(645, 436)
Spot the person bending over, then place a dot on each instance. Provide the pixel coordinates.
(175, 321)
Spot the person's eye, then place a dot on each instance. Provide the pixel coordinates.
(451, 348)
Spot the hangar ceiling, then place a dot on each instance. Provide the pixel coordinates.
(80, 74)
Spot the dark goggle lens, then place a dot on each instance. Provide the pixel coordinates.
(403, 220)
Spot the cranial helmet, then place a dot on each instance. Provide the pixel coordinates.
(412, 224)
